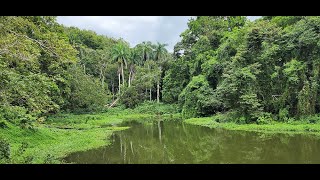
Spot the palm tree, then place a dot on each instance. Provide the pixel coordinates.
(147, 50)
(151, 75)
(160, 53)
(134, 59)
(119, 72)
(120, 54)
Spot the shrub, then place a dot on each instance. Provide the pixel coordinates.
(22, 148)
(221, 118)
(284, 114)
(26, 122)
(4, 150)
(131, 97)
(18, 116)
(13, 113)
(198, 98)
(241, 120)
(312, 119)
(3, 124)
(87, 93)
(265, 118)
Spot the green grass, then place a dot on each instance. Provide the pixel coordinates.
(277, 127)
(84, 121)
(63, 134)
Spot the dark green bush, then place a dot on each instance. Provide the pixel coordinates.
(131, 97)
(3, 124)
(87, 93)
(13, 113)
(314, 119)
(4, 150)
(265, 118)
(198, 98)
(18, 116)
(283, 114)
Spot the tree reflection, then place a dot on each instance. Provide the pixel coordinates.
(176, 142)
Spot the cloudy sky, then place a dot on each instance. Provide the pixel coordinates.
(134, 29)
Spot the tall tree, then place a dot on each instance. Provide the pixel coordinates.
(120, 54)
(147, 50)
(160, 57)
(135, 58)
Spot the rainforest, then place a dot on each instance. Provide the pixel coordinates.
(232, 90)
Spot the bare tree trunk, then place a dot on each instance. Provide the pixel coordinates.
(158, 91)
(102, 77)
(131, 75)
(132, 78)
(150, 94)
(158, 85)
(150, 87)
(84, 68)
(102, 81)
(122, 73)
(129, 81)
(119, 82)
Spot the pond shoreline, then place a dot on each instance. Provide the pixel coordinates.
(275, 127)
(67, 133)
(175, 142)
(61, 135)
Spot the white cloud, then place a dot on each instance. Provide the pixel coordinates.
(134, 29)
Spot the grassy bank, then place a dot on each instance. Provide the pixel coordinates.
(276, 127)
(49, 144)
(62, 134)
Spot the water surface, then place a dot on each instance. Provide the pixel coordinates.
(176, 142)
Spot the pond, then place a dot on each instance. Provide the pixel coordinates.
(174, 142)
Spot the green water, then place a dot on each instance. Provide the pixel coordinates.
(175, 142)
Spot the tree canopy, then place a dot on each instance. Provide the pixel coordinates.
(223, 64)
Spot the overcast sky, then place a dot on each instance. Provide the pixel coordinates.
(134, 29)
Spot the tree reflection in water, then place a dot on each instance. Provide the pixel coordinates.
(175, 142)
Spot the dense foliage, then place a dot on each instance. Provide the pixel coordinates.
(266, 69)
(47, 68)
(263, 74)
(34, 57)
(249, 69)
